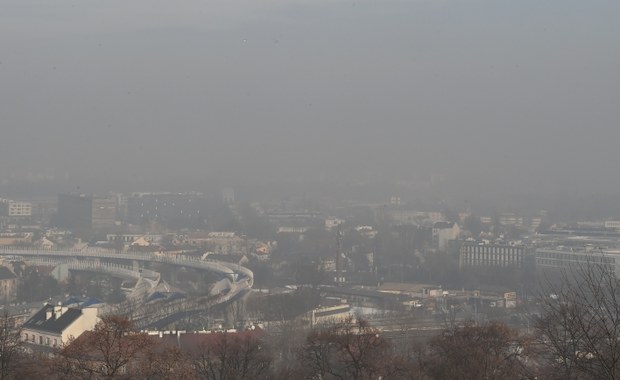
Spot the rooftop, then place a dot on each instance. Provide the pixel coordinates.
(54, 324)
(6, 274)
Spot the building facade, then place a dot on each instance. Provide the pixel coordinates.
(82, 213)
(52, 326)
(15, 208)
(563, 258)
(443, 233)
(476, 254)
(165, 207)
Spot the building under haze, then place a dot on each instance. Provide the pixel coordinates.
(296, 219)
(84, 214)
(576, 258)
(15, 208)
(165, 207)
(443, 233)
(479, 254)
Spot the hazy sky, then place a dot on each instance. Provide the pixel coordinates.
(501, 93)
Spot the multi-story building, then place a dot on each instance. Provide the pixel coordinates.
(165, 207)
(130, 238)
(479, 254)
(443, 233)
(403, 215)
(565, 257)
(82, 213)
(296, 218)
(15, 208)
(224, 243)
(103, 212)
(612, 225)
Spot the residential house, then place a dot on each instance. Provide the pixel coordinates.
(52, 326)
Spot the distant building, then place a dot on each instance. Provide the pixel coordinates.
(44, 243)
(331, 223)
(443, 233)
(130, 238)
(224, 243)
(476, 254)
(328, 315)
(411, 290)
(15, 208)
(510, 219)
(400, 215)
(103, 212)
(296, 219)
(82, 213)
(228, 195)
(612, 225)
(563, 258)
(15, 238)
(165, 207)
(367, 231)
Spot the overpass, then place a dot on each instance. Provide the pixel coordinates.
(241, 279)
(233, 271)
(146, 279)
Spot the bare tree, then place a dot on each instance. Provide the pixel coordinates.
(110, 351)
(238, 356)
(166, 363)
(349, 350)
(10, 345)
(580, 322)
(492, 351)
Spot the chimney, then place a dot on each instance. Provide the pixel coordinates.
(57, 311)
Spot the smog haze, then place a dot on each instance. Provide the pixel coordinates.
(489, 96)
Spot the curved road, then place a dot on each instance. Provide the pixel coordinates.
(241, 278)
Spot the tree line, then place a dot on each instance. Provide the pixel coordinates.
(576, 336)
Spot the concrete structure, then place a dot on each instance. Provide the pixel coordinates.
(165, 207)
(15, 238)
(15, 208)
(612, 225)
(296, 218)
(240, 281)
(563, 257)
(331, 223)
(228, 195)
(443, 233)
(477, 254)
(130, 238)
(329, 315)
(82, 213)
(103, 212)
(52, 326)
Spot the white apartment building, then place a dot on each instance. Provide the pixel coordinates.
(475, 254)
(15, 208)
(574, 258)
